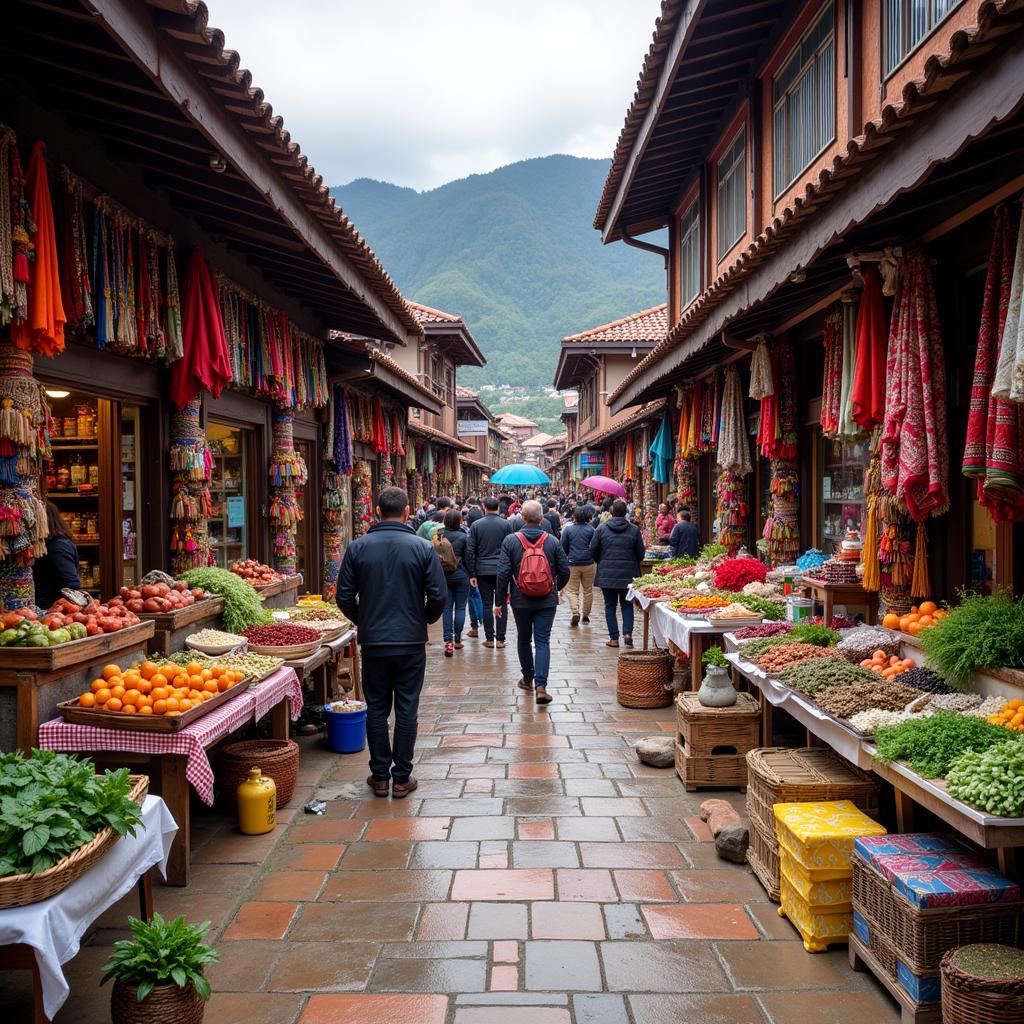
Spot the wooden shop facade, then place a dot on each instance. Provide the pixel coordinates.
(173, 278)
(840, 186)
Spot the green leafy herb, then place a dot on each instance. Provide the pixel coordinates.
(763, 606)
(980, 632)
(162, 952)
(992, 779)
(243, 607)
(714, 656)
(809, 633)
(51, 804)
(710, 551)
(931, 745)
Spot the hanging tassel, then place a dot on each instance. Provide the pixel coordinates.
(920, 584)
(872, 567)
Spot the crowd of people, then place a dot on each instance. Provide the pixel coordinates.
(486, 560)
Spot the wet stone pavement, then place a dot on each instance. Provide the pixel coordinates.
(540, 875)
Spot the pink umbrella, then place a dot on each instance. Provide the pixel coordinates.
(605, 485)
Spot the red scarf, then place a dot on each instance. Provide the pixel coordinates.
(869, 372)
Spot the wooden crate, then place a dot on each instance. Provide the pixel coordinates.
(712, 743)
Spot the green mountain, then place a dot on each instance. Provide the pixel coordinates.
(513, 252)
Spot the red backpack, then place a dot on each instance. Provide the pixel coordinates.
(534, 578)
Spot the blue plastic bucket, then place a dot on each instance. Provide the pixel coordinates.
(346, 730)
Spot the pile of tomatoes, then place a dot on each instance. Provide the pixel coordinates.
(157, 689)
(155, 598)
(887, 665)
(922, 616)
(97, 618)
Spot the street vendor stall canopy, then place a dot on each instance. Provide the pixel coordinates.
(155, 85)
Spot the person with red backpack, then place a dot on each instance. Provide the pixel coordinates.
(533, 567)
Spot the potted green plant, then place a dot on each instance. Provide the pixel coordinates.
(716, 691)
(159, 974)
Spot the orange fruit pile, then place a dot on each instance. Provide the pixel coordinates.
(152, 689)
(887, 665)
(1011, 716)
(920, 617)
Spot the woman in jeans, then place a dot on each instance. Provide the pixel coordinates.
(576, 538)
(458, 583)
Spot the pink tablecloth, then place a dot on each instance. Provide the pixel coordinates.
(191, 741)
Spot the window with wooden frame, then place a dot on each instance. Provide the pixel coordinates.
(804, 102)
(731, 211)
(689, 254)
(436, 378)
(906, 24)
(586, 401)
(449, 386)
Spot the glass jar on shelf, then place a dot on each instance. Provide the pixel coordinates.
(79, 472)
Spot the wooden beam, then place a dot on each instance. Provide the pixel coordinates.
(135, 30)
(1011, 188)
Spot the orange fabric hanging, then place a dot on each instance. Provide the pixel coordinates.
(43, 329)
(630, 473)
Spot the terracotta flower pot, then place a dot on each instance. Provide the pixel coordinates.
(166, 1004)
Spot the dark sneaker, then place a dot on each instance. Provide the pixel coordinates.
(380, 787)
(543, 697)
(611, 643)
(489, 643)
(586, 619)
(628, 641)
(525, 684)
(574, 621)
(501, 645)
(400, 790)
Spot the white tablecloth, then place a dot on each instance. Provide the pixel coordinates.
(54, 927)
(669, 625)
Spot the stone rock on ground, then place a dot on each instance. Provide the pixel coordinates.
(719, 814)
(732, 842)
(656, 751)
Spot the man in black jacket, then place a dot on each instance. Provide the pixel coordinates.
(552, 516)
(534, 615)
(618, 548)
(684, 541)
(485, 539)
(392, 587)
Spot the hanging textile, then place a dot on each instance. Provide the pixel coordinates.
(343, 458)
(915, 453)
(662, 451)
(428, 459)
(1009, 378)
(205, 364)
(994, 450)
(848, 429)
(42, 330)
(868, 396)
(731, 491)
(287, 473)
(733, 445)
(362, 497)
(762, 383)
(380, 440)
(174, 344)
(629, 468)
(14, 238)
(831, 385)
(191, 464)
(76, 288)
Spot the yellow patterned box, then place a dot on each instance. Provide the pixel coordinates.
(829, 897)
(817, 929)
(820, 836)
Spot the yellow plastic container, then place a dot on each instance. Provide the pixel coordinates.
(257, 804)
(819, 836)
(828, 897)
(818, 929)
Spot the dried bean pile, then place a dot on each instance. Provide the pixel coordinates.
(280, 634)
(753, 649)
(844, 701)
(819, 673)
(924, 679)
(766, 629)
(957, 701)
(862, 643)
(777, 658)
(873, 719)
(989, 706)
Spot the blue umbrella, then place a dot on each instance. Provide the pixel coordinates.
(519, 474)
(663, 451)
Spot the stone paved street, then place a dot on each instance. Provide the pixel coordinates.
(540, 875)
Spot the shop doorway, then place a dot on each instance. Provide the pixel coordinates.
(307, 558)
(232, 491)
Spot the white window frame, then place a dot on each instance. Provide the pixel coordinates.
(731, 179)
(821, 107)
(689, 254)
(930, 14)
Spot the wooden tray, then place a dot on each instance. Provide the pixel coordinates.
(205, 609)
(278, 586)
(76, 652)
(734, 622)
(290, 651)
(71, 711)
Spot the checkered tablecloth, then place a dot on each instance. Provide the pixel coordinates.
(192, 741)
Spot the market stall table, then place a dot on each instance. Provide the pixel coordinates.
(686, 634)
(643, 606)
(344, 647)
(830, 594)
(314, 668)
(180, 758)
(44, 936)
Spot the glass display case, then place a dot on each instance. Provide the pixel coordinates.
(229, 491)
(841, 505)
(131, 498)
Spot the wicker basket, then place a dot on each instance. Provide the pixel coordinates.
(995, 999)
(763, 858)
(277, 759)
(166, 1004)
(712, 743)
(924, 934)
(645, 679)
(21, 890)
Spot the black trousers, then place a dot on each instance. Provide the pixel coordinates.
(392, 680)
(487, 585)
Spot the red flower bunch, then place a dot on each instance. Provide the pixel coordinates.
(736, 573)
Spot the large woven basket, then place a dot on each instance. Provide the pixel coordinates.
(21, 890)
(645, 679)
(277, 759)
(763, 857)
(969, 998)
(166, 1004)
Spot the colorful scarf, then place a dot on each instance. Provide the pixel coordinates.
(733, 445)
(869, 375)
(831, 384)
(1009, 378)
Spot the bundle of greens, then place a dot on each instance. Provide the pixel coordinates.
(930, 746)
(51, 804)
(980, 632)
(710, 551)
(809, 633)
(714, 656)
(992, 779)
(243, 607)
(764, 607)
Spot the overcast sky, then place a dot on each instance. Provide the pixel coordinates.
(419, 92)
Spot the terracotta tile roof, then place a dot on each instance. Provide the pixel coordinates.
(510, 419)
(557, 439)
(645, 412)
(537, 441)
(440, 436)
(943, 69)
(648, 326)
(186, 22)
(386, 360)
(427, 315)
(461, 392)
